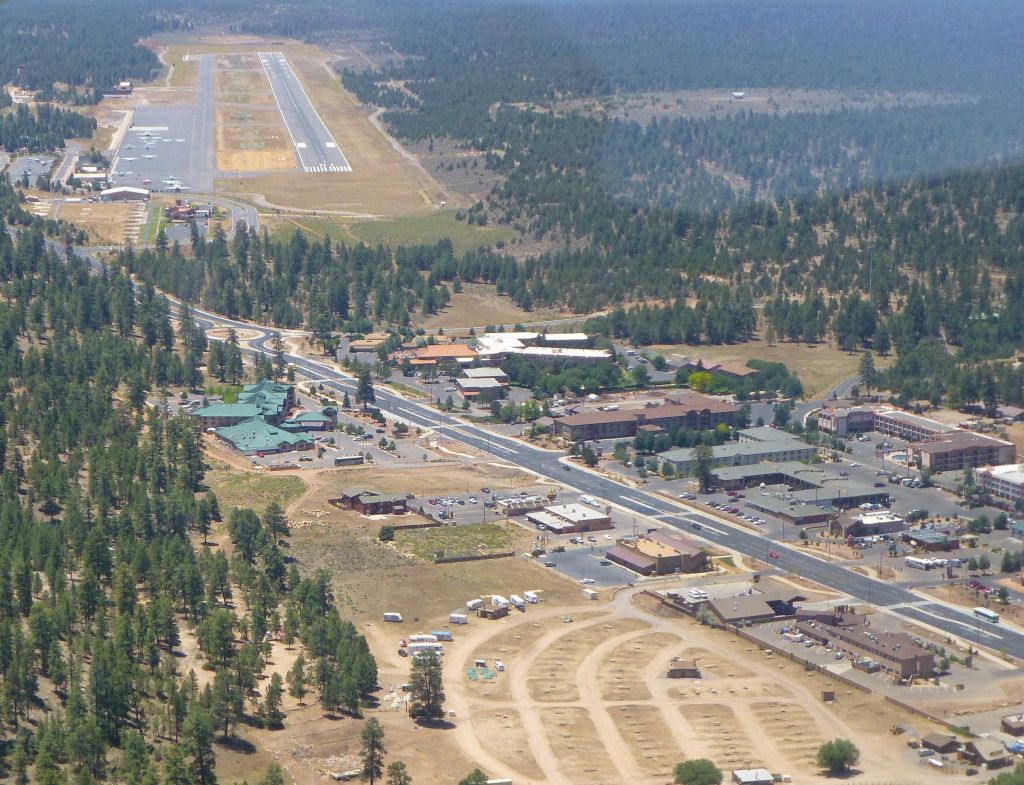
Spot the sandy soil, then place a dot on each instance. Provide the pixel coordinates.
(479, 305)
(107, 223)
(593, 703)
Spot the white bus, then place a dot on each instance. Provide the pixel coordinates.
(987, 615)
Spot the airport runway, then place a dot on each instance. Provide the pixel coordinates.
(202, 162)
(315, 146)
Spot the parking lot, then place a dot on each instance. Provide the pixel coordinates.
(34, 166)
(581, 556)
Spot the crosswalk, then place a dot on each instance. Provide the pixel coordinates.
(327, 168)
(896, 606)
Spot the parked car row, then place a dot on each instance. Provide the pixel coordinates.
(980, 587)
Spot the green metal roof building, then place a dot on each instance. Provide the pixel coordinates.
(257, 436)
(308, 421)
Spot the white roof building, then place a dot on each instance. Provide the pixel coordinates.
(124, 192)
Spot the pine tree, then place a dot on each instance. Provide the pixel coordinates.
(297, 679)
(372, 751)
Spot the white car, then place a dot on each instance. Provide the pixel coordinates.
(587, 580)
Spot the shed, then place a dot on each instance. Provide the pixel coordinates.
(684, 669)
(1013, 724)
(941, 742)
(752, 777)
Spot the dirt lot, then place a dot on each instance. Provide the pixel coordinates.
(107, 223)
(479, 305)
(589, 702)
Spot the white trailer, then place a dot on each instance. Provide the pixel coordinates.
(531, 597)
(474, 604)
(396, 617)
(917, 563)
(422, 638)
(458, 618)
(423, 648)
(518, 602)
(590, 594)
(499, 601)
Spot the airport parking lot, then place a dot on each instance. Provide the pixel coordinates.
(34, 166)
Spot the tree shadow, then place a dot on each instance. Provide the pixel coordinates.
(237, 744)
(435, 724)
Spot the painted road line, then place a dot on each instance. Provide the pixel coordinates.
(639, 503)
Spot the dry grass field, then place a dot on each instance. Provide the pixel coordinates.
(249, 133)
(820, 367)
(107, 223)
(578, 703)
(478, 305)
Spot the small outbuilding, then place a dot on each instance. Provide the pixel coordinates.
(941, 742)
(752, 777)
(684, 669)
(1013, 724)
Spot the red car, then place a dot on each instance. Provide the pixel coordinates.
(773, 554)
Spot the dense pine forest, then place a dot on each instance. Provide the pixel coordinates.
(103, 506)
(42, 128)
(71, 53)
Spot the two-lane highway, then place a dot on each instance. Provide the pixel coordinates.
(954, 621)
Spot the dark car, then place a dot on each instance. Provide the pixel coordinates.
(695, 525)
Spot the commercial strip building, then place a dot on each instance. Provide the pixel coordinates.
(808, 485)
(486, 373)
(256, 436)
(754, 608)
(540, 348)
(895, 652)
(687, 410)
(767, 444)
(796, 513)
(373, 503)
(570, 519)
(855, 523)
(482, 389)
(931, 540)
(933, 445)
(658, 553)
